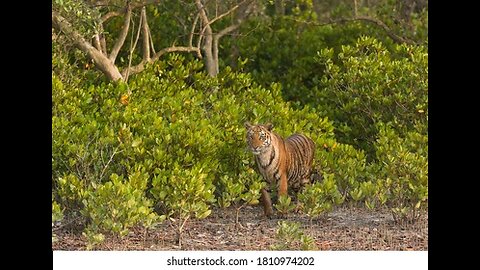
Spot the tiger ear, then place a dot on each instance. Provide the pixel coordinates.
(269, 126)
(247, 125)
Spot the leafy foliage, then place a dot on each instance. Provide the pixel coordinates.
(180, 129)
(284, 205)
(171, 142)
(282, 49)
(290, 236)
(320, 197)
(79, 13)
(117, 205)
(403, 173)
(345, 163)
(372, 85)
(57, 215)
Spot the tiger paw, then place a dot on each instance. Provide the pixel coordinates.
(268, 212)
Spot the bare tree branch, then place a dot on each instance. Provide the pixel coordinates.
(244, 13)
(123, 35)
(103, 42)
(96, 48)
(207, 45)
(151, 39)
(204, 18)
(208, 23)
(101, 3)
(226, 31)
(110, 160)
(96, 42)
(145, 35)
(133, 45)
(192, 31)
(173, 49)
(141, 66)
(110, 15)
(382, 25)
(101, 61)
(210, 40)
(121, 11)
(217, 37)
(199, 44)
(229, 11)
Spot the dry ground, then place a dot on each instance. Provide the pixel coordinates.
(346, 228)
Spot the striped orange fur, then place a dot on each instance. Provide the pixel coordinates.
(284, 162)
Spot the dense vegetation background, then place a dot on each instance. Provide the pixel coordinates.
(149, 100)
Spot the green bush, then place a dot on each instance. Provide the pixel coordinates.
(400, 179)
(118, 204)
(70, 191)
(373, 85)
(171, 142)
(345, 163)
(245, 190)
(290, 236)
(57, 215)
(183, 130)
(403, 172)
(320, 197)
(57, 212)
(281, 50)
(284, 205)
(180, 128)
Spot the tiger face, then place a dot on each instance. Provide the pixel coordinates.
(258, 137)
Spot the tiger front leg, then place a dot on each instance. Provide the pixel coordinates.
(267, 203)
(283, 185)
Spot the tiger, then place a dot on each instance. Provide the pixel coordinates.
(282, 162)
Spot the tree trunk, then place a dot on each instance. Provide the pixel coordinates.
(210, 63)
(145, 36)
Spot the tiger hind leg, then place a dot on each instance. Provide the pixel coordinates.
(267, 203)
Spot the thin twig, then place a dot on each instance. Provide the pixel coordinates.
(227, 12)
(96, 42)
(121, 11)
(132, 48)
(141, 66)
(110, 160)
(203, 15)
(207, 22)
(110, 15)
(151, 39)
(194, 25)
(123, 35)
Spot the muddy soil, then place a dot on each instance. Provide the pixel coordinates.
(346, 228)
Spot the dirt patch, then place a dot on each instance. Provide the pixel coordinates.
(346, 228)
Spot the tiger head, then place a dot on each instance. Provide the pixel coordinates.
(259, 137)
